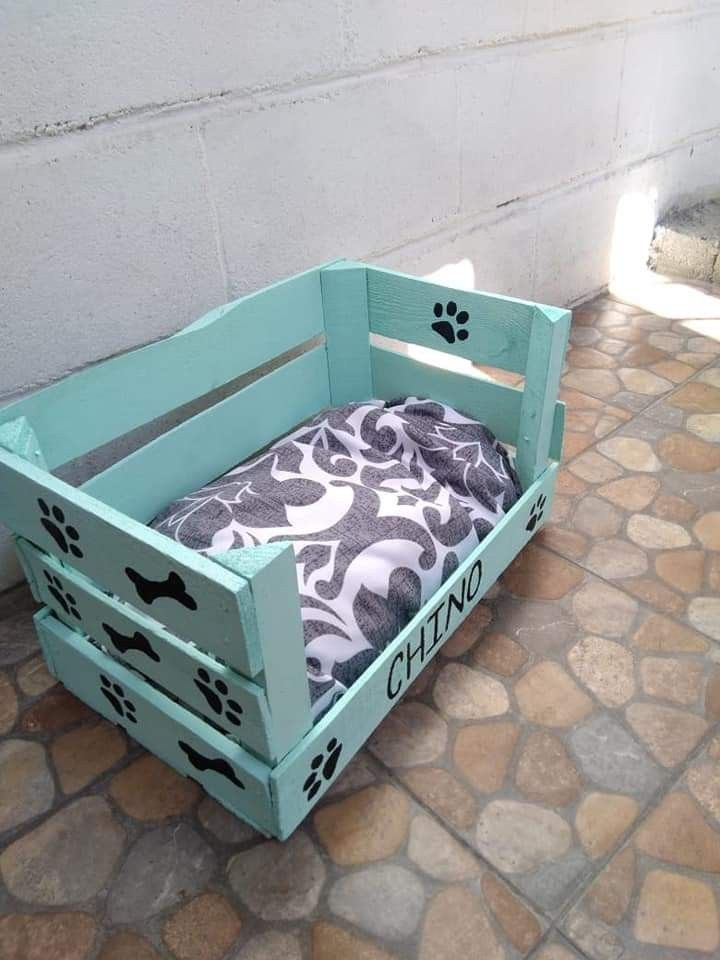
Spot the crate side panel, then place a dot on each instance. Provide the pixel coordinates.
(210, 443)
(306, 773)
(189, 594)
(344, 292)
(185, 742)
(207, 686)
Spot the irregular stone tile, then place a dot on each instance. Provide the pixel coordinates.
(674, 508)
(162, 868)
(714, 573)
(26, 786)
(279, 881)
(8, 705)
(643, 381)
(697, 397)
(356, 775)
(440, 791)
(553, 882)
(667, 678)
(678, 833)
(677, 911)
(151, 790)
(499, 654)
(666, 636)
(589, 358)
(703, 345)
(410, 734)
(608, 899)
(422, 682)
(656, 594)
(594, 468)
(584, 336)
(555, 951)
(366, 826)
(651, 322)
(332, 943)
(568, 484)
(626, 334)
(82, 755)
(704, 613)
(707, 530)
(457, 925)
(438, 854)
(545, 773)
(682, 568)
(601, 819)
(385, 900)
(594, 937)
(655, 534)
(705, 425)
(519, 925)
(482, 753)
(547, 695)
(541, 575)
(19, 639)
(669, 342)
(642, 355)
(669, 734)
(602, 609)
(57, 710)
(704, 782)
(60, 936)
(127, 945)
(616, 559)
(711, 376)
(598, 383)
(712, 696)
(34, 678)
(605, 667)
(203, 929)
(222, 824)
(517, 837)
(68, 858)
(465, 694)
(683, 452)
(612, 759)
(631, 453)
(567, 542)
(540, 627)
(631, 493)
(597, 518)
(696, 360)
(468, 633)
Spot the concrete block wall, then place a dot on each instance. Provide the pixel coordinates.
(158, 159)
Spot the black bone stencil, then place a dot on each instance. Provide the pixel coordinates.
(138, 641)
(217, 764)
(173, 587)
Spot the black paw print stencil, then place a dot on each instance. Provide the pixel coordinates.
(62, 533)
(447, 328)
(115, 695)
(322, 767)
(228, 708)
(65, 600)
(536, 513)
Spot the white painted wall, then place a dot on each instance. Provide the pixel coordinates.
(159, 158)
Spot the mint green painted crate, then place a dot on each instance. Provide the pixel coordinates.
(137, 625)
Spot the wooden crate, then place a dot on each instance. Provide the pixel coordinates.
(201, 660)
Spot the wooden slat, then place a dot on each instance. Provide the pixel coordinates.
(497, 328)
(344, 293)
(548, 339)
(185, 742)
(110, 398)
(496, 405)
(306, 773)
(271, 574)
(192, 596)
(204, 684)
(212, 442)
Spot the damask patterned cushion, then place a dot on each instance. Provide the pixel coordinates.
(381, 502)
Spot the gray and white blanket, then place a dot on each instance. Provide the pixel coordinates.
(381, 502)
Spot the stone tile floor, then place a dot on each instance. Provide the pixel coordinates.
(549, 788)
